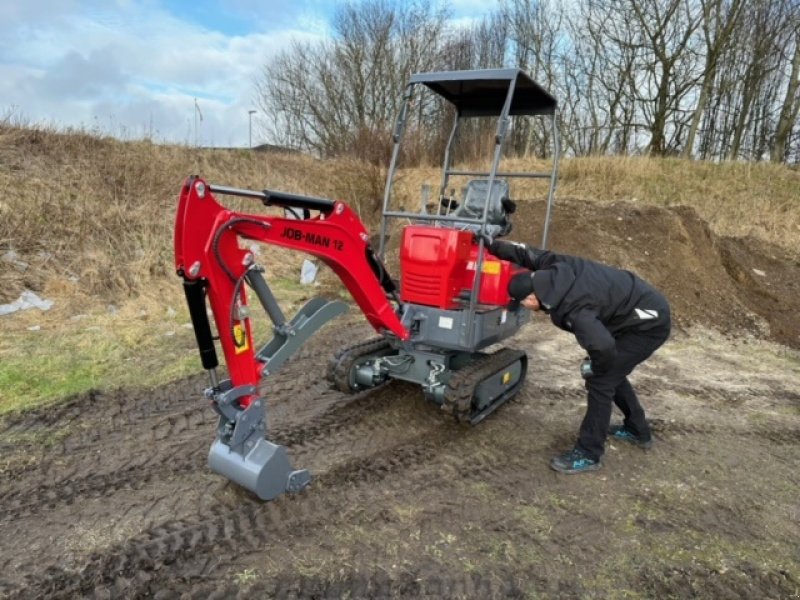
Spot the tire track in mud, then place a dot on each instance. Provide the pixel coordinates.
(109, 412)
(86, 480)
(77, 470)
(418, 581)
(338, 430)
(117, 408)
(67, 484)
(741, 580)
(775, 434)
(149, 561)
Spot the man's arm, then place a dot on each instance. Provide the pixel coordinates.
(522, 254)
(593, 336)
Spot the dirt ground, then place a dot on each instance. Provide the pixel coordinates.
(107, 494)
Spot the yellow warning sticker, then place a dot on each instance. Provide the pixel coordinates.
(240, 338)
(491, 267)
(506, 377)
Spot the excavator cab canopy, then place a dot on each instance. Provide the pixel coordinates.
(501, 93)
(483, 93)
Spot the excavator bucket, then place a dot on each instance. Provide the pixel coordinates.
(264, 469)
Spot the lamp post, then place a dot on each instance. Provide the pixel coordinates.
(250, 116)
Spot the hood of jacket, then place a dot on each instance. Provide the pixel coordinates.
(551, 285)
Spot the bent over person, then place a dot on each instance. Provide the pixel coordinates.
(618, 318)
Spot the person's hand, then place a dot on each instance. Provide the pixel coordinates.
(586, 368)
(487, 239)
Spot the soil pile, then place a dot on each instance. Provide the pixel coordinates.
(730, 284)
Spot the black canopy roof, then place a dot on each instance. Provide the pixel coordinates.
(482, 93)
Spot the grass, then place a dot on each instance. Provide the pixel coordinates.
(141, 343)
(101, 211)
(137, 344)
(736, 198)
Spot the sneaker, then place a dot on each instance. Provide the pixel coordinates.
(574, 461)
(622, 433)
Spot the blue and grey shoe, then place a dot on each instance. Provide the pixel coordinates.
(622, 433)
(574, 461)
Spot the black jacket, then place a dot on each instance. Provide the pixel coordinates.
(595, 302)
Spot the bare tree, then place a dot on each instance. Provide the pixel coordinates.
(536, 30)
(666, 30)
(600, 73)
(340, 96)
(720, 19)
(706, 78)
(791, 103)
(755, 72)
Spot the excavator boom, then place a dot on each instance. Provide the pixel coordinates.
(214, 267)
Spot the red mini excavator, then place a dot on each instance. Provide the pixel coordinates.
(451, 302)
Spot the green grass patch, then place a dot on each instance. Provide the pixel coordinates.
(142, 343)
(99, 351)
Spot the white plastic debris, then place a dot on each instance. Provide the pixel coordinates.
(759, 272)
(26, 300)
(308, 272)
(35, 328)
(13, 258)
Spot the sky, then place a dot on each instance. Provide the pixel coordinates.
(135, 68)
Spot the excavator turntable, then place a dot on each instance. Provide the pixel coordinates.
(433, 328)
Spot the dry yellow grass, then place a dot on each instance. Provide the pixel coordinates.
(97, 214)
(736, 198)
(100, 212)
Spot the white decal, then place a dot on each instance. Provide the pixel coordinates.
(645, 314)
(445, 323)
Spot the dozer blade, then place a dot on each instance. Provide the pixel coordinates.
(264, 469)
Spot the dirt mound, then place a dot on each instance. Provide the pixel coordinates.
(730, 284)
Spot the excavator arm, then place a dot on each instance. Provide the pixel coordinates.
(216, 269)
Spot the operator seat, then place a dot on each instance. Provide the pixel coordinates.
(500, 206)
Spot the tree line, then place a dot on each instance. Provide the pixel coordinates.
(705, 79)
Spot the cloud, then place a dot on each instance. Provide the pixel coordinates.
(134, 67)
(131, 67)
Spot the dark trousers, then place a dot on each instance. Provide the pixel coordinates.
(613, 386)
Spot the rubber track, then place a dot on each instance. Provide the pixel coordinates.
(462, 384)
(345, 358)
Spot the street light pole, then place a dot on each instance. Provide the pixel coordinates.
(250, 115)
